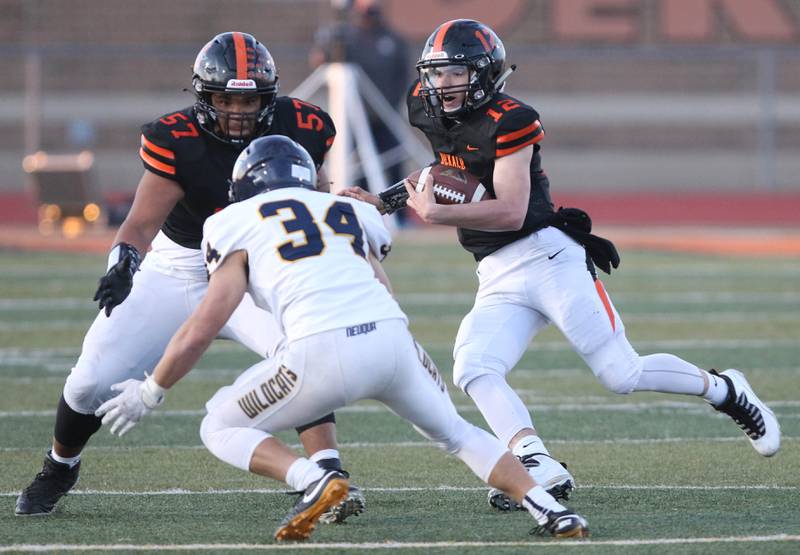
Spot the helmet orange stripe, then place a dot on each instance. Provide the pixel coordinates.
(483, 41)
(241, 55)
(439, 38)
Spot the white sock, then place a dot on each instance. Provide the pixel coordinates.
(500, 406)
(303, 473)
(538, 499)
(325, 454)
(717, 391)
(71, 461)
(529, 444)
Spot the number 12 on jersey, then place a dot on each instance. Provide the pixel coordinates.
(340, 217)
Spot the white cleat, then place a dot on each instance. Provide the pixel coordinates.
(750, 413)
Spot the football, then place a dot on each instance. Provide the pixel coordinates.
(450, 185)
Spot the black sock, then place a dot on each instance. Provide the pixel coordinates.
(330, 464)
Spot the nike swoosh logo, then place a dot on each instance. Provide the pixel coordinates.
(309, 496)
(471, 148)
(551, 257)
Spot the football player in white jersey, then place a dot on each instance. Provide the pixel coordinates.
(313, 260)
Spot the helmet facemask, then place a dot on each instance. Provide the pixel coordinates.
(476, 89)
(217, 121)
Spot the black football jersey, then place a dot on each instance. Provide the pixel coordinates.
(174, 146)
(500, 127)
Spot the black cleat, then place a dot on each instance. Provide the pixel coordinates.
(50, 485)
(318, 498)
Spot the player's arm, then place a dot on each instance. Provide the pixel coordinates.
(155, 198)
(137, 398)
(226, 287)
(512, 187)
(380, 273)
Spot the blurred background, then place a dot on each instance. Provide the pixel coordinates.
(656, 111)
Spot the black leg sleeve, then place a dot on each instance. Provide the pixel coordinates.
(74, 429)
(327, 418)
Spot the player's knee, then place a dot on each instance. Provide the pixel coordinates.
(619, 376)
(469, 365)
(616, 366)
(456, 436)
(232, 445)
(80, 391)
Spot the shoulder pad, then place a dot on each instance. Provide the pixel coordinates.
(162, 138)
(308, 124)
(518, 125)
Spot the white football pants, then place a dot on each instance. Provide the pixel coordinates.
(316, 375)
(524, 287)
(131, 341)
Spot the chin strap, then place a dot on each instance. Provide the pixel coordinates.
(498, 85)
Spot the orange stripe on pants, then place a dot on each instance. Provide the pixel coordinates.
(606, 303)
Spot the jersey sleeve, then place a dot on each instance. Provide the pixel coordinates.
(378, 237)
(156, 150)
(313, 128)
(221, 237)
(416, 110)
(517, 128)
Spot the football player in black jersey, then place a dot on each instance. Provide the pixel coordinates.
(536, 266)
(188, 156)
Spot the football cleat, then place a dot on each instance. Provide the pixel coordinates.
(352, 505)
(750, 413)
(49, 485)
(319, 497)
(563, 524)
(547, 472)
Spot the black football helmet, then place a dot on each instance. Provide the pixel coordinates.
(462, 42)
(271, 163)
(234, 63)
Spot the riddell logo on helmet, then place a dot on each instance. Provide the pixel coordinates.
(241, 84)
(439, 55)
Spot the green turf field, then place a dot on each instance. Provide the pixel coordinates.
(656, 474)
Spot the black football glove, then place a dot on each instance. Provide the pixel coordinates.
(394, 198)
(114, 287)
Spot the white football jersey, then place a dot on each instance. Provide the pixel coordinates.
(307, 255)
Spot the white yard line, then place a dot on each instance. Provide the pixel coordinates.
(15, 355)
(541, 407)
(714, 317)
(561, 544)
(414, 489)
(425, 444)
(686, 297)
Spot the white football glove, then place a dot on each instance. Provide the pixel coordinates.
(136, 399)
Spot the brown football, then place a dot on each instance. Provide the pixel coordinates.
(450, 185)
